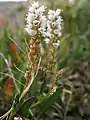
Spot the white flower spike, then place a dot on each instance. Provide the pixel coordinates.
(54, 21)
(36, 21)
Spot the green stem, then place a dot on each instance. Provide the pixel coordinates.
(13, 113)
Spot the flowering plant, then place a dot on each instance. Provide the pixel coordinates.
(40, 27)
(36, 77)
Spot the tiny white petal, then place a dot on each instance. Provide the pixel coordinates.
(36, 23)
(53, 24)
(44, 34)
(51, 36)
(59, 34)
(58, 11)
(29, 26)
(56, 31)
(31, 9)
(27, 29)
(34, 16)
(41, 30)
(41, 9)
(51, 12)
(31, 17)
(47, 40)
(33, 32)
(49, 30)
(48, 34)
(59, 27)
(55, 45)
(42, 18)
(17, 118)
(51, 17)
(59, 19)
(35, 5)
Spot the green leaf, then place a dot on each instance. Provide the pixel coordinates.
(49, 101)
(35, 88)
(43, 86)
(25, 106)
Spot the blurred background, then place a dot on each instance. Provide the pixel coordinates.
(74, 52)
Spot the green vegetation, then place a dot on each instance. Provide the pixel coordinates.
(54, 85)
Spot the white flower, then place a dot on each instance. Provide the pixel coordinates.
(51, 17)
(41, 9)
(59, 19)
(49, 35)
(36, 21)
(35, 5)
(56, 44)
(51, 12)
(53, 24)
(31, 32)
(31, 9)
(30, 17)
(17, 118)
(43, 21)
(54, 21)
(58, 11)
(71, 1)
(47, 40)
(56, 31)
